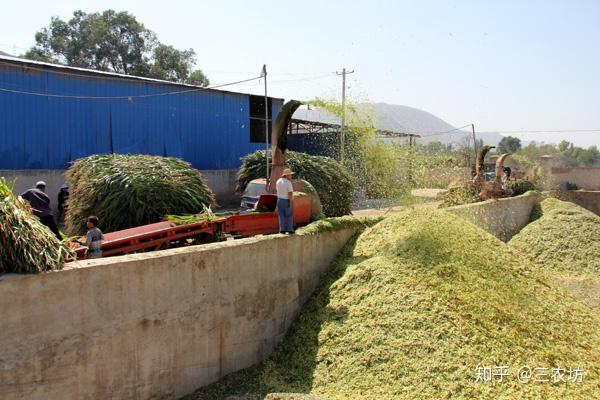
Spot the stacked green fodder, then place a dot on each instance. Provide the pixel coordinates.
(413, 307)
(125, 191)
(207, 215)
(26, 245)
(565, 241)
(330, 179)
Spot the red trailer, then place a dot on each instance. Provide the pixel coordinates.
(167, 234)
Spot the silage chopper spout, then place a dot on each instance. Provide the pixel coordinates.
(478, 179)
(279, 141)
(500, 171)
(494, 190)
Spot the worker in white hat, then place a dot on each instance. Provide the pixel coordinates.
(40, 204)
(285, 202)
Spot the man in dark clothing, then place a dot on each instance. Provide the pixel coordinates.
(63, 196)
(40, 204)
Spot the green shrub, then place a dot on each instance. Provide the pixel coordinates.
(520, 186)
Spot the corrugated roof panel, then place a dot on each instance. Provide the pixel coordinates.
(209, 128)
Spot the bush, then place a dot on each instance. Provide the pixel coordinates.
(520, 186)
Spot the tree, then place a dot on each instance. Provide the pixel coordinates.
(113, 41)
(571, 155)
(198, 78)
(175, 65)
(564, 146)
(509, 144)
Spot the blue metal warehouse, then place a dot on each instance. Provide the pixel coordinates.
(52, 114)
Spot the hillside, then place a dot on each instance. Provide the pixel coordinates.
(406, 119)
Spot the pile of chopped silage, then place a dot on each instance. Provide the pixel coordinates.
(26, 245)
(129, 190)
(412, 308)
(338, 223)
(564, 240)
(330, 179)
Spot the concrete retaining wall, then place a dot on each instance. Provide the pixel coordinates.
(502, 218)
(588, 199)
(221, 181)
(587, 178)
(26, 179)
(155, 325)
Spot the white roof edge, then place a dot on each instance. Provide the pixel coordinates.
(113, 74)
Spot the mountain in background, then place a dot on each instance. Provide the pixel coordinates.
(392, 117)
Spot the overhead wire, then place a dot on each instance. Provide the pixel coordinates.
(330, 75)
(71, 71)
(112, 75)
(552, 131)
(424, 135)
(438, 133)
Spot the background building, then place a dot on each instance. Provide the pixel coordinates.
(51, 115)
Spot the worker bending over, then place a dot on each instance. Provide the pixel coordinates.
(40, 204)
(285, 202)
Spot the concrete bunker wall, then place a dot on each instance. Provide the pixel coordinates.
(589, 199)
(155, 325)
(502, 218)
(587, 178)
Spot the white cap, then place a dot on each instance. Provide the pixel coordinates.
(40, 183)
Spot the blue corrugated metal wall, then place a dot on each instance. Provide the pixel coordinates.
(316, 144)
(208, 128)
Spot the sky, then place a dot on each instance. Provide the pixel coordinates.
(502, 65)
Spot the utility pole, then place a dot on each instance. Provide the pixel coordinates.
(343, 124)
(474, 143)
(264, 75)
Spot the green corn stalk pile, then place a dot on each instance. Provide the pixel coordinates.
(206, 215)
(411, 309)
(125, 191)
(26, 245)
(330, 179)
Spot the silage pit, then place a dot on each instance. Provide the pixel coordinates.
(409, 310)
